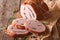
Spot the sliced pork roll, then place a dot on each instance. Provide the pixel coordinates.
(12, 31)
(32, 10)
(19, 23)
(35, 26)
(27, 12)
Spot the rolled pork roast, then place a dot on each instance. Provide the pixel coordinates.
(34, 9)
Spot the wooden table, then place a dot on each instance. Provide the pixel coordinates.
(52, 25)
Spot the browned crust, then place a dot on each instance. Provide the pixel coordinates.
(12, 34)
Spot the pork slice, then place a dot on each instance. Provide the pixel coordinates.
(35, 26)
(15, 31)
(19, 23)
